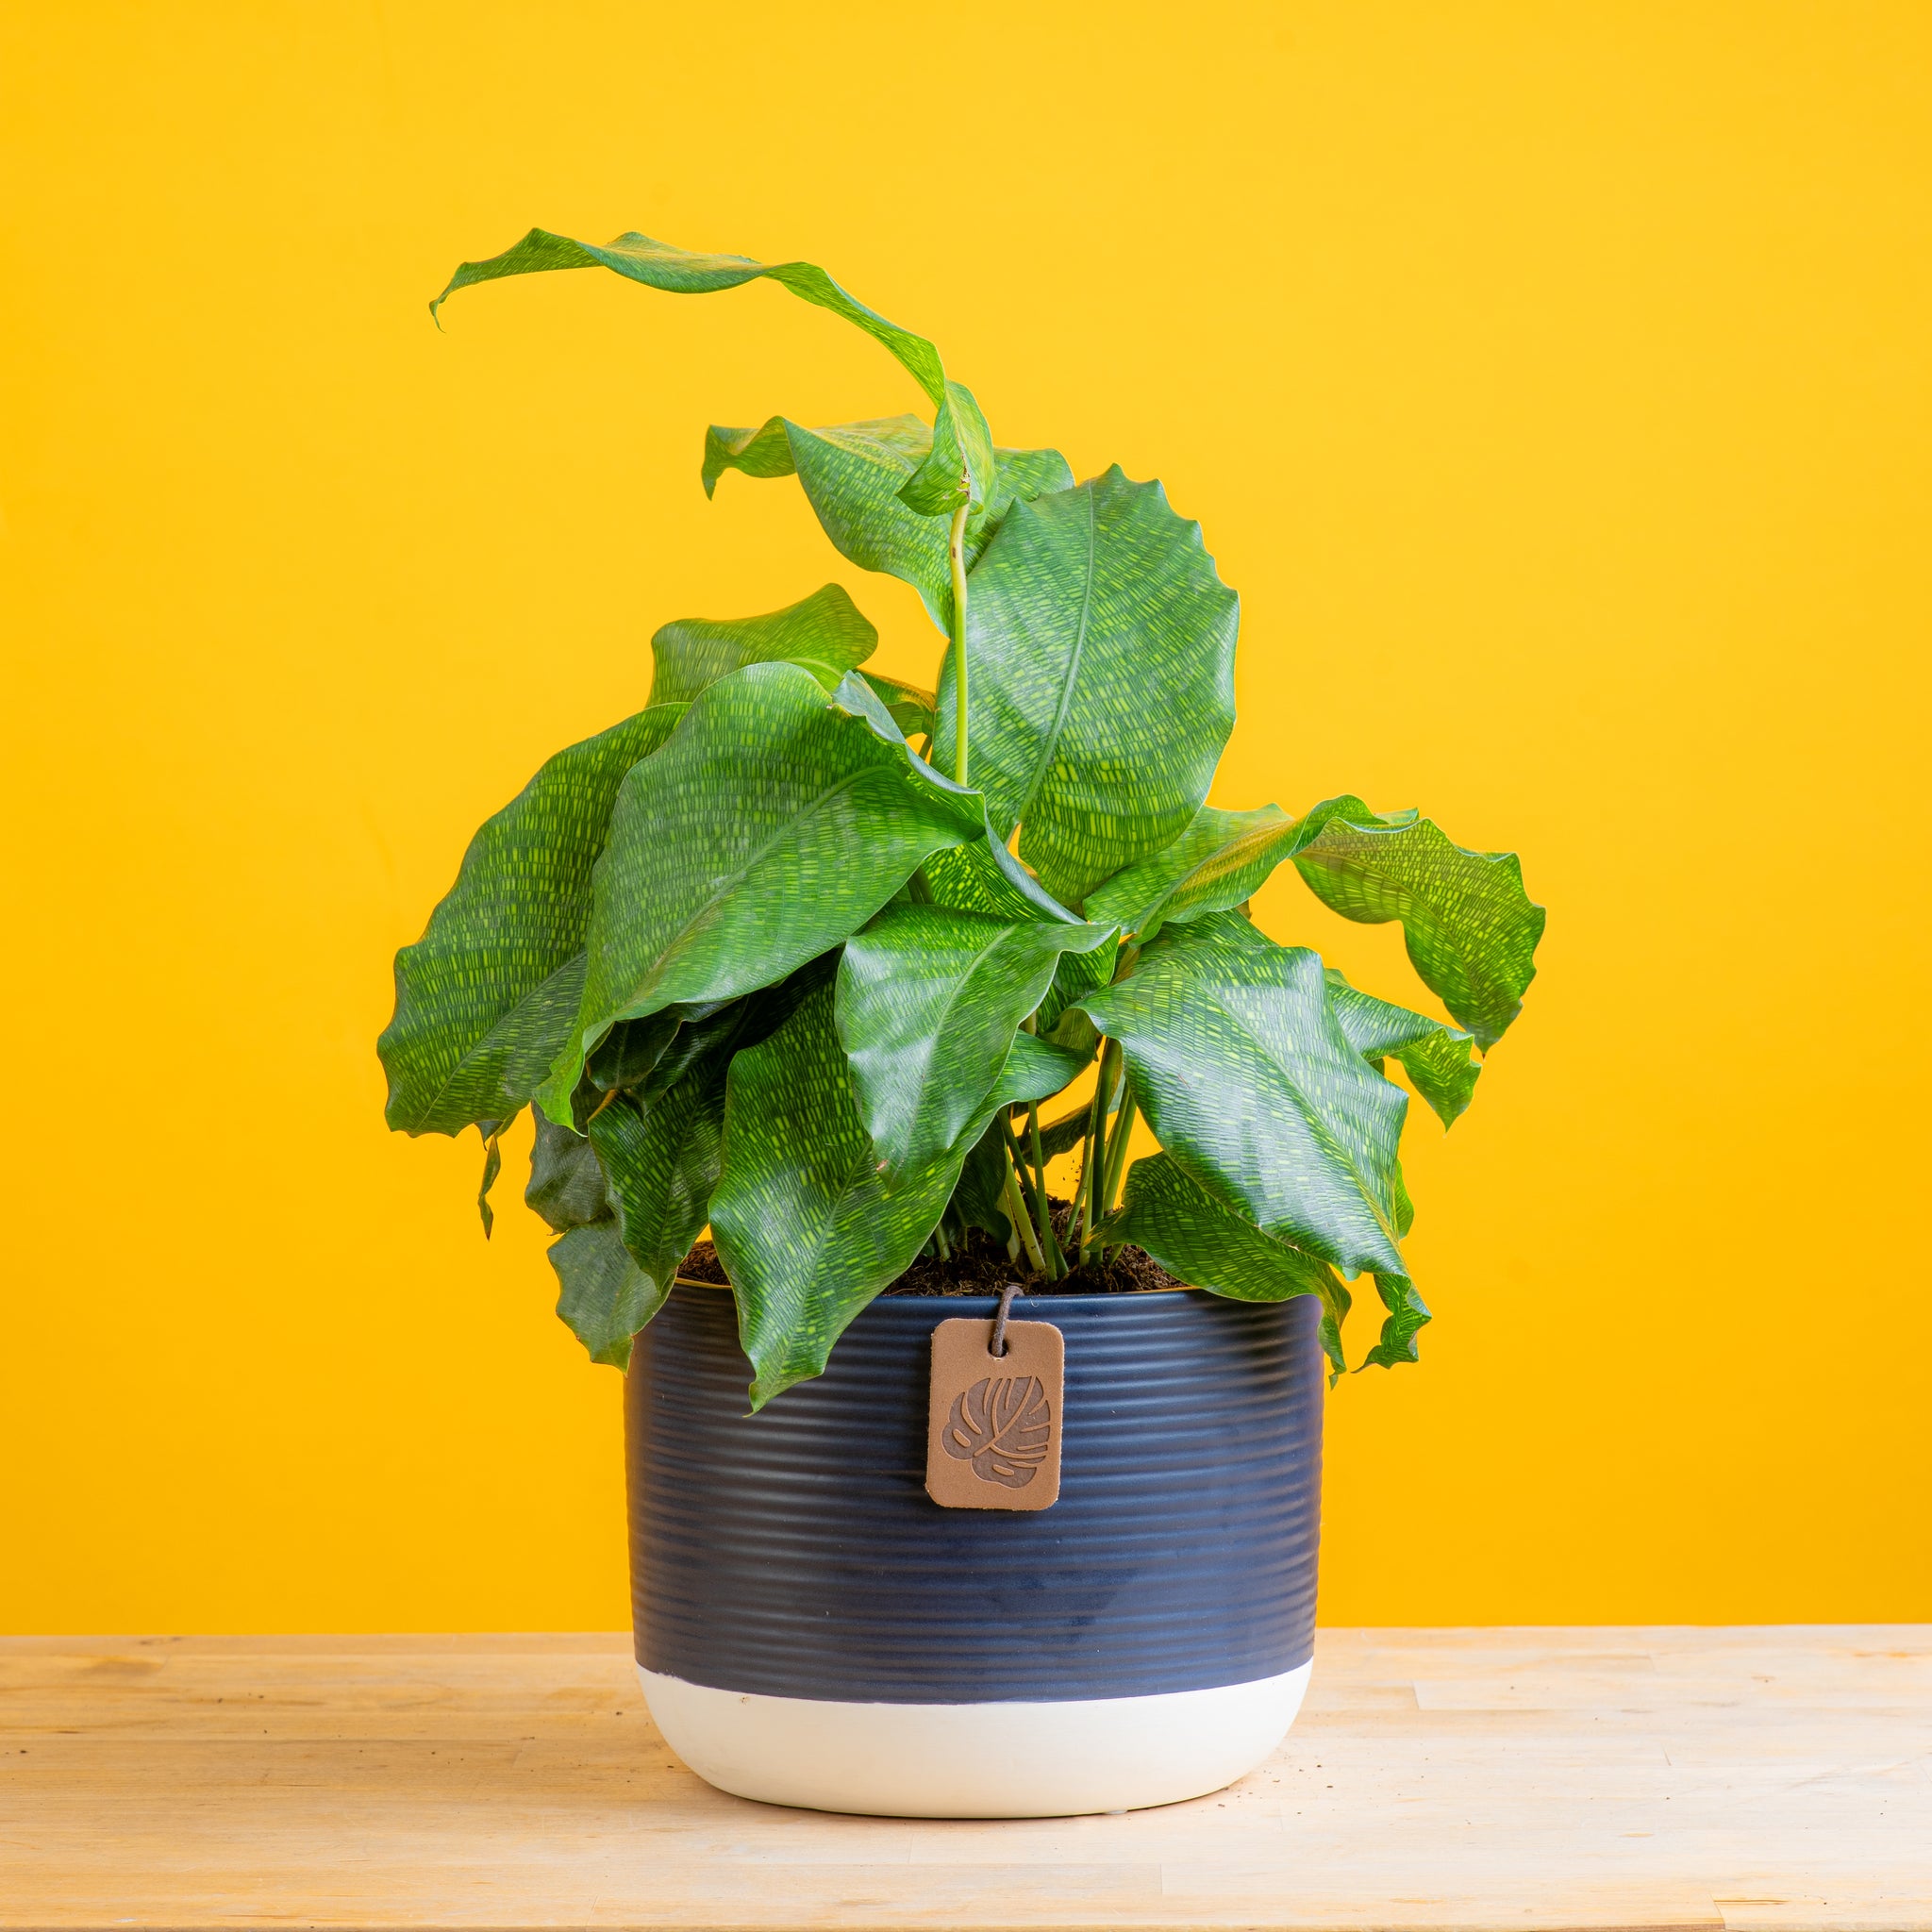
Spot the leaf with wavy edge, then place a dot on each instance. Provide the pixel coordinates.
(1241, 1068)
(567, 1186)
(853, 474)
(1220, 861)
(1101, 646)
(825, 634)
(810, 1222)
(1407, 1313)
(979, 1194)
(1436, 1057)
(485, 998)
(1471, 928)
(929, 1000)
(909, 706)
(663, 1160)
(1205, 1243)
(961, 446)
(769, 826)
(606, 1297)
(1036, 1068)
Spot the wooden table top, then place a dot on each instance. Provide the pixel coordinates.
(1761, 1778)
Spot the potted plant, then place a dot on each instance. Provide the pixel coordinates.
(803, 955)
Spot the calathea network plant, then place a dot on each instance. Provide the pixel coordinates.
(799, 951)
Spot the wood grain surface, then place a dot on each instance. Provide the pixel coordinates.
(1757, 1778)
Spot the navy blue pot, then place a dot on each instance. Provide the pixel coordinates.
(812, 1629)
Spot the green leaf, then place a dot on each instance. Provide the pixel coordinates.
(1471, 929)
(567, 1184)
(606, 1297)
(854, 475)
(1207, 1245)
(1063, 1135)
(1407, 1314)
(768, 827)
(628, 1053)
(1220, 861)
(961, 448)
(1075, 976)
(809, 1221)
(979, 1196)
(1101, 646)
(1036, 1070)
(493, 1166)
(704, 1031)
(928, 1002)
(1247, 1080)
(825, 634)
(1435, 1057)
(663, 1160)
(984, 877)
(485, 998)
(909, 706)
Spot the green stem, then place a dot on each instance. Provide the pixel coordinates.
(1016, 1211)
(956, 557)
(1093, 1154)
(1057, 1263)
(1117, 1155)
(1036, 1200)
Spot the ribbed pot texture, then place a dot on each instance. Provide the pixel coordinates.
(796, 1554)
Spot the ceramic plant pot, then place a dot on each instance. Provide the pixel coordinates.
(812, 1629)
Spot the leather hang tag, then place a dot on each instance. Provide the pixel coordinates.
(994, 1427)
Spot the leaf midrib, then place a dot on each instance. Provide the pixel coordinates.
(933, 1036)
(1050, 741)
(496, 1025)
(1316, 1124)
(734, 880)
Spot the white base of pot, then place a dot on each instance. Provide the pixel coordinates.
(974, 1760)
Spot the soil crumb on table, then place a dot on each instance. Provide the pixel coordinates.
(982, 1267)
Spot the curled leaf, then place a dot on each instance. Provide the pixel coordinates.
(961, 450)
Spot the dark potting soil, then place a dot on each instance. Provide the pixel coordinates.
(982, 1268)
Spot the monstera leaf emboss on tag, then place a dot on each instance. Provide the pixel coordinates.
(1002, 1426)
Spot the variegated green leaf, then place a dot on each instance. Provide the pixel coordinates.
(1471, 929)
(769, 826)
(567, 1181)
(985, 878)
(1218, 862)
(979, 1194)
(662, 1160)
(928, 1002)
(852, 475)
(1247, 1080)
(809, 1221)
(909, 706)
(1036, 1068)
(961, 459)
(825, 634)
(1406, 1315)
(493, 1166)
(485, 998)
(1101, 691)
(1077, 975)
(1436, 1057)
(1207, 1244)
(605, 1296)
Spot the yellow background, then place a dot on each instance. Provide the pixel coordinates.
(1552, 381)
